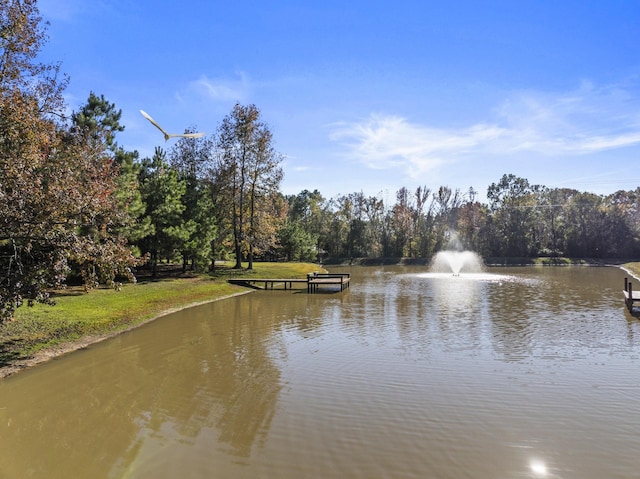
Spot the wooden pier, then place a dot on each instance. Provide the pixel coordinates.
(630, 296)
(313, 281)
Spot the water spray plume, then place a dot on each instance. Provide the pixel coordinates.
(456, 262)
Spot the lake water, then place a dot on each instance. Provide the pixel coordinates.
(511, 373)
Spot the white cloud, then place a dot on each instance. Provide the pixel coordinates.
(220, 89)
(391, 142)
(589, 120)
(601, 143)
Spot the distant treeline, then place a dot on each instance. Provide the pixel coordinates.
(519, 220)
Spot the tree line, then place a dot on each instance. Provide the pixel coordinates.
(519, 220)
(75, 204)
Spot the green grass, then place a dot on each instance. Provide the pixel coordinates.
(633, 267)
(78, 315)
(559, 261)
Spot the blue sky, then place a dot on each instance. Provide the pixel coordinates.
(373, 96)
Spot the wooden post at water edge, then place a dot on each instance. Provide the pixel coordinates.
(630, 296)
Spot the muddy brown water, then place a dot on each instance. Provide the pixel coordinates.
(511, 373)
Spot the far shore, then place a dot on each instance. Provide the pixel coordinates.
(57, 349)
(491, 261)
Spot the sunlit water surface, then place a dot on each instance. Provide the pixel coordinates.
(507, 373)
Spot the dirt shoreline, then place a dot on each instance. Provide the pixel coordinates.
(59, 350)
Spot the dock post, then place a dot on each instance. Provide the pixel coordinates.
(626, 284)
(630, 303)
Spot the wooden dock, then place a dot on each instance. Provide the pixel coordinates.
(313, 281)
(630, 296)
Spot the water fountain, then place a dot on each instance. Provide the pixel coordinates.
(456, 262)
(455, 259)
(461, 264)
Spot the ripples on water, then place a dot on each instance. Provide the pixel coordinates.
(511, 373)
(488, 374)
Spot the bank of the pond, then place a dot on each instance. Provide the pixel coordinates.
(78, 319)
(633, 269)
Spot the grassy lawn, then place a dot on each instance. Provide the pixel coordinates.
(633, 267)
(78, 315)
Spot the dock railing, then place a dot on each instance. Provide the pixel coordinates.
(313, 280)
(630, 296)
